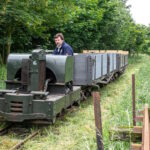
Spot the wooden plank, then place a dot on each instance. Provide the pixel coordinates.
(112, 51)
(125, 134)
(107, 51)
(102, 51)
(98, 121)
(123, 52)
(146, 130)
(140, 112)
(137, 129)
(90, 51)
(136, 147)
(139, 118)
(133, 99)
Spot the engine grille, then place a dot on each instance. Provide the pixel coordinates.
(16, 107)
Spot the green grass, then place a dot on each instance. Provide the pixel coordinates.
(76, 129)
(2, 76)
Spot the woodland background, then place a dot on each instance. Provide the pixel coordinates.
(86, 24)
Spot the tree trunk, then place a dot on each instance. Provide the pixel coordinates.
(9, 31)
(8, 43)
(4, 5)
(1, 60)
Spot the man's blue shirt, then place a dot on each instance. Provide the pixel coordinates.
(65, 49)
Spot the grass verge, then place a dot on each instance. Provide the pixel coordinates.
(2, 76)
(76, 129)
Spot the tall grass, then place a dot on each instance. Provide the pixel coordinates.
(76, 129)
(2, 76)
(120, 108)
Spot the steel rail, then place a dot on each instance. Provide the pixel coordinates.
(4, 130)
(20, 144)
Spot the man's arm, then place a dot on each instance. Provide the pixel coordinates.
(68, 50)
(55, 52)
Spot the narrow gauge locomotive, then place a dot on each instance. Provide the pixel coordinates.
(40, 85)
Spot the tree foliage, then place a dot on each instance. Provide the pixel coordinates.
(86, 24)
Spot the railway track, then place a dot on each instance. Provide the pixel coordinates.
(20, 144)
(144, 130)
(6, 129)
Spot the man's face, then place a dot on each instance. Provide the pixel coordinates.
(58, 41)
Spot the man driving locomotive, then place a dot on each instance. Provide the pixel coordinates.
(62, 48)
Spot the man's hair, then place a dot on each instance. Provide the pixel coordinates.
(59, 35)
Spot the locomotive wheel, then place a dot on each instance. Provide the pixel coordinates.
(77, 103)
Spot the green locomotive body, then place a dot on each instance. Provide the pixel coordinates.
(39, 86)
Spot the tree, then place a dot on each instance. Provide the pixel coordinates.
(86, 24)
(16, 14)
